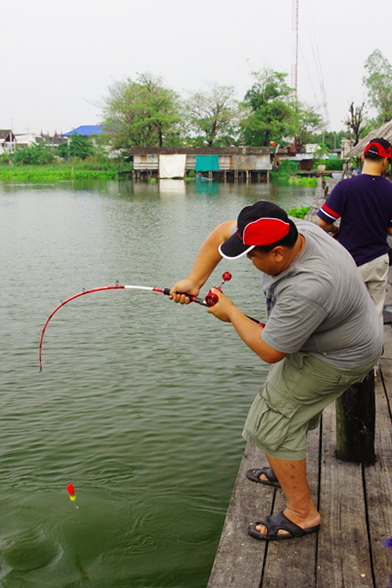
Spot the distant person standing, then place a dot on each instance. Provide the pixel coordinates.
(363, 204)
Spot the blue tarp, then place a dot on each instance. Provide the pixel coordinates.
(207, 163)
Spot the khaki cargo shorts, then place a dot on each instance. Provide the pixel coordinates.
(290, 403)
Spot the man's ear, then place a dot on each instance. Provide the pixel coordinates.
(278, 252)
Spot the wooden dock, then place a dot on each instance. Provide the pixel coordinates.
(354, 501)
(355, 505)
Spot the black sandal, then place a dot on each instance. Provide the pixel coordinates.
(254, 476)
(279, 522)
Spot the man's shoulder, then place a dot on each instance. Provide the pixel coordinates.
(347, 184)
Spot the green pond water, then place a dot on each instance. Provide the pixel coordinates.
(140, 403)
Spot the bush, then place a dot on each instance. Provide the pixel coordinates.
(286, 169)
(79, 146)
(298, 212)
(303, 181)
(36, 154)
(330, 164)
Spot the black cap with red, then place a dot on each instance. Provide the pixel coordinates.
(379, 147)
(262, 223)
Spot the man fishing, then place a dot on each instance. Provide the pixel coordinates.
(321, 335)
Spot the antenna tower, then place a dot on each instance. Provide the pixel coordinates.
(294, 67)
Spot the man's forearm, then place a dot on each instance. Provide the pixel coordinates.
(208, 255)
(250, 333)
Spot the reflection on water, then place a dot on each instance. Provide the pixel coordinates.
(141, 402)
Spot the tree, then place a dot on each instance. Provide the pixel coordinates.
(141, 112)
(355, 122)
(212, 116)
(271, 112)
(332, 139)
(309, 122)
(274, 114)
(79, 146)
(378, 80)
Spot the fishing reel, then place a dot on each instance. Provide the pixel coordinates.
(211, 299)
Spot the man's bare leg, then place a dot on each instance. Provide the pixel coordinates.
(300, 508)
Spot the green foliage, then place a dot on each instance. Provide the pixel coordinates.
(321, 151)
(308, 123)
(212, 116)
(5, 159)
(378, 80)
(286, 169)
(332, 164)
(79, 147)
(273, 113)
(142, 112)
(37, 154)
(300, 212)
(54, 173)
(331, 139)
(303, 181)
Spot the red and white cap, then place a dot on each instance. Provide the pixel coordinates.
(379, 147)
(262, 223)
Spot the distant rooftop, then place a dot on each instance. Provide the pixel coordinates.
(85, 130)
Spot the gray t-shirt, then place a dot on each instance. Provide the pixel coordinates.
(320, 305)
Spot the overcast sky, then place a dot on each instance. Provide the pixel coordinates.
(59, 58)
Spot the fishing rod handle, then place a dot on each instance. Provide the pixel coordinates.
(166, 291)
(192, 298)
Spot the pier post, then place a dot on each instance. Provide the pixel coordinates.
(355, 422)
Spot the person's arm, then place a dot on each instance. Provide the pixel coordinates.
(205, 262)
(328, 228)
(332, 209)
(389, 230)
(249, 331)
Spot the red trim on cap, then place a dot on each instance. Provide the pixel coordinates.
(265, 231)
(381, 151)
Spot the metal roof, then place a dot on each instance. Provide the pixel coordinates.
(85, 130)
(200, 150)
(385, 131)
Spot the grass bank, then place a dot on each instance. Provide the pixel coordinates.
(56, 172)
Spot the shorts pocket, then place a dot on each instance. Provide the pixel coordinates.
(269, 419)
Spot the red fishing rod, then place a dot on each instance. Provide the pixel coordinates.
(209, 300)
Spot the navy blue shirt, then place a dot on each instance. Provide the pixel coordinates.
(364, 205)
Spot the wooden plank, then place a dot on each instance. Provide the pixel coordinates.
(239, 559)
(293, 563)
(378, 483)
(343, 547)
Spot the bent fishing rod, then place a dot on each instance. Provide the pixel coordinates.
(210, 300)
